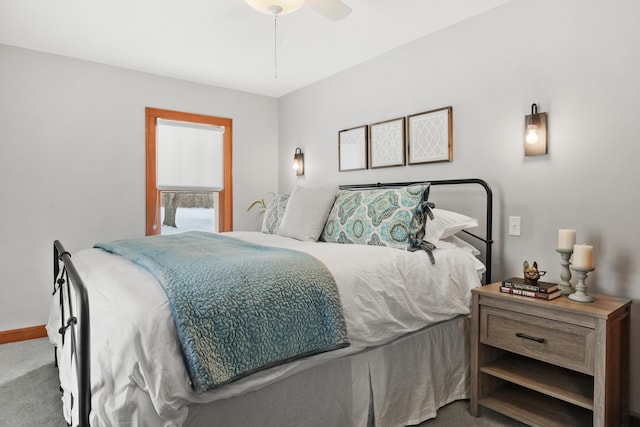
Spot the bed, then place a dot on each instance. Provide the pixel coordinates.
(121, 361)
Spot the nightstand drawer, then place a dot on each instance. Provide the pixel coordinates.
(551, 341)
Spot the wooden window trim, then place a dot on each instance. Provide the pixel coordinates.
(225, 202)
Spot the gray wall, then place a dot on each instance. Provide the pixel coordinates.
(72, 161)
(579, 60)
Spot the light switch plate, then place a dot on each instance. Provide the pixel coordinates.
(514, 226)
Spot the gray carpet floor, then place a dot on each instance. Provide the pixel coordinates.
(29, 393)
(30, 397)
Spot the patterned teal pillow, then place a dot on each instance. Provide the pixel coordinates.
(273, 213)
(383, 216)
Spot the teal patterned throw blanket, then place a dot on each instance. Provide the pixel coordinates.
(240, 307)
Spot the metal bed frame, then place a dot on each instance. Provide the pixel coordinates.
(68, 282)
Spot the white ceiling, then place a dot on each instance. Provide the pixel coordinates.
(225, 42)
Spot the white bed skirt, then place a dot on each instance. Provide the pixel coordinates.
(399, 384)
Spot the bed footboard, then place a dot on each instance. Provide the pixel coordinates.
(75, 325)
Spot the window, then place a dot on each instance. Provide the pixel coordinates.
(182, 211)
(177, 177)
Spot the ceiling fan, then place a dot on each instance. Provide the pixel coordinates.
(331, 9)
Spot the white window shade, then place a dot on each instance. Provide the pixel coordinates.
(189, 156)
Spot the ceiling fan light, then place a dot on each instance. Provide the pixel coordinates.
(271, 6)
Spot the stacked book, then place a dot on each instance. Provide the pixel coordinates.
(541, 290)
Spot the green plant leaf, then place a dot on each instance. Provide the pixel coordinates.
(259, 202)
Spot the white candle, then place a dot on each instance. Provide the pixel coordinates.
(583, 256)
(566, 238)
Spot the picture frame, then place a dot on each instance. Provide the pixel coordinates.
(430, 136)
(387, 143)
(352, 149)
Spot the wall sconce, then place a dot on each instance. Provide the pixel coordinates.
(535, 140)
(298, 162)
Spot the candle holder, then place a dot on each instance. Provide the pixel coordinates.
(565, 273)
(580, 294)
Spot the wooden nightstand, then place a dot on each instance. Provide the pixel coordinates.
(550, 363)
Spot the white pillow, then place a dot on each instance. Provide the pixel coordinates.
(456, 242)
(446, 223)
(306, 213)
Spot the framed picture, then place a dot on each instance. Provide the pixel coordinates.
(352, 149)
(386, 143)
(430, 136)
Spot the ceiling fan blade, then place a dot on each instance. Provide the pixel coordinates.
(332, 9)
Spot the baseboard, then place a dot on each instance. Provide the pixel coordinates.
(634, 419)
(23, 334)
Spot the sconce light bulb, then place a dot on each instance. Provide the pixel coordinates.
(295, 165)
(532, 134)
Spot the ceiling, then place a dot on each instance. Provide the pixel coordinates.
(225, 42)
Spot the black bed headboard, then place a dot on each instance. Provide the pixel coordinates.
(487, 239)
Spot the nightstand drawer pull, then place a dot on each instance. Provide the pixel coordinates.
(529, 337)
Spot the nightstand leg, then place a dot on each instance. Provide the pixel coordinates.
(474, 408)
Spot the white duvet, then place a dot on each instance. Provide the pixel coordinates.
(137, 373)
